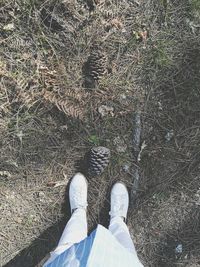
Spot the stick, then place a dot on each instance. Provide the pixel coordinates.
(136, 150)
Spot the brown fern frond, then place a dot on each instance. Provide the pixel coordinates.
(105, 95)
(70, 101)
(28, 91)
(65, 105)
(28, 98)
(52, 80)
(77, 95)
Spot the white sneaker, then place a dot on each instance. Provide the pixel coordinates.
(119, 200)
(78, 192)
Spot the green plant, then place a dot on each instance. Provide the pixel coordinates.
(161, 56)
(195, 4)
(93, 139)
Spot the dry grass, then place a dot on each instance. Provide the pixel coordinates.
(49, 118)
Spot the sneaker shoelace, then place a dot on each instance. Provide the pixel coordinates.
(118, 206)
(78, 197)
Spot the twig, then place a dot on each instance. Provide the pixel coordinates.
(136, 150)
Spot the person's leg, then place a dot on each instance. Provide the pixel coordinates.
(120, 230)
(76, 228)
(118, 213)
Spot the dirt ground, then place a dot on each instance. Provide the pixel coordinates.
(50, 117)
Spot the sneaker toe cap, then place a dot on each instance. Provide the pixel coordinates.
(79, 179)
(119, 188)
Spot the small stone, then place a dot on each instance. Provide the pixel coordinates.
(179, 249)
(64, 127)
(9, 27)
(160, 107)
(125, 167)
(169, 135)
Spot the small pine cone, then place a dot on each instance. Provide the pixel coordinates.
(98, 160)
(97, 63)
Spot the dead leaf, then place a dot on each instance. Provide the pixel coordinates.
(18, 220)
(26, 56)
(143, 35)
(20, 135)
(116, 23)
(120, 145)
(57, 183)
(106, 110)
(141, 149)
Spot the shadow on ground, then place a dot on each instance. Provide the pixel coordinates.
(179, 247)
(171, 123)
(39, 249)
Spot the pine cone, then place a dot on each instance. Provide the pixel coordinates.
(97, 63)
(98, 160)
